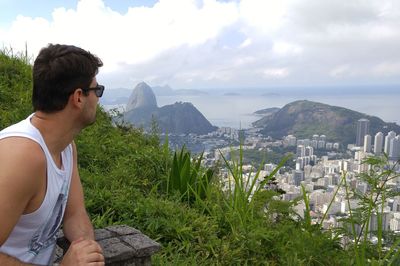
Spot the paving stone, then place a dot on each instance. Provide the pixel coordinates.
(123, 230)
(115, 250)
(122, 246)
(101, 234)
(142, 245)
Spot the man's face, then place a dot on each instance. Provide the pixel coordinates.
(89, 111)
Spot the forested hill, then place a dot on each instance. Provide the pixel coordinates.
(306, 118)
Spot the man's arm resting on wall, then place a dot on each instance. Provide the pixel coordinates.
(76, 220)
(77, 226)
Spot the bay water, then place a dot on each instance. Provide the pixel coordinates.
(236, 109)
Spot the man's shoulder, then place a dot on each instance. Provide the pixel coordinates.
(21, 150)
(19, 142)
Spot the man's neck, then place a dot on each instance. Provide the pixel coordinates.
(57, 130)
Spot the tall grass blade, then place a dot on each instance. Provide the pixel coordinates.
(307, 216)
(393, 248)
(331, 202)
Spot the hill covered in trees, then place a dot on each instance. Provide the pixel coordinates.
(306, 118)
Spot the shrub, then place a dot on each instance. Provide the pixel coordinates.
(187, 176)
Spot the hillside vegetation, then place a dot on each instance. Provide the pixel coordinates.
(306, 118)
(129, 178)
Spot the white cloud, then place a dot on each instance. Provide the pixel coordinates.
(263, 15)
(387, 69)
(242, 61)
(246, 43)
(340, 71)
(275, 73)
(136, 37)
(190, 43)
(284, 48)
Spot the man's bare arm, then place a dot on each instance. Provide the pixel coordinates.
(22, 165)
(76, 220)
(77, 226)
(6, 260)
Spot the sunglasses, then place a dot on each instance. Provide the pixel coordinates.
(98, 90)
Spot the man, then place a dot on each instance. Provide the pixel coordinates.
(40, 187)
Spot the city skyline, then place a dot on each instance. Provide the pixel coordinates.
(218, 44)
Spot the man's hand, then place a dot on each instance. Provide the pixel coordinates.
(83, 252)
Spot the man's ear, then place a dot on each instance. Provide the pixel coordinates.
(76, 98)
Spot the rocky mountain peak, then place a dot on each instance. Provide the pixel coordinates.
(142, 97)
(178, 118)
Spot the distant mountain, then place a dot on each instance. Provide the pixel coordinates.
(168, 91)
(305, 118)
(178, 118)
(231, 94)
(267, 111)
(183, 118)
(189, 92)
(163, 90)
(121, 95)
(141, 97)
(271, 94)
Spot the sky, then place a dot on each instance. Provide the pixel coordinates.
(191, 44)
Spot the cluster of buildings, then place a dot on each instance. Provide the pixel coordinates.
(305, 148)
(389, 144)
(317, 142)
(319, 173)
(323, 177)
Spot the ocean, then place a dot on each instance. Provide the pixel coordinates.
(236, 109)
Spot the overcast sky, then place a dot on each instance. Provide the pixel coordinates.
(215, 44)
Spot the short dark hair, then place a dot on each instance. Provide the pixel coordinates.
(58, 71)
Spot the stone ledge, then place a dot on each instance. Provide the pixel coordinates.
(122, 246)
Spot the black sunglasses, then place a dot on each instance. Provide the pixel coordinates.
(98, 90)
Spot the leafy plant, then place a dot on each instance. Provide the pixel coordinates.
(188, 176)
(241, 188)
(371, 204)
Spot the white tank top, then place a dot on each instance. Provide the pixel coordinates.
(34, 236)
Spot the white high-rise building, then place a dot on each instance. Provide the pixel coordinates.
(298, 176)
(309, 151)
(362, 130)
(336, 145)
(378, 143)
(367, 143)
(300, 151)
(300, 163)
(394, 152)
(314, 143)
(291, 140)
(306, 142)
(321, 144)
(391, 135)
